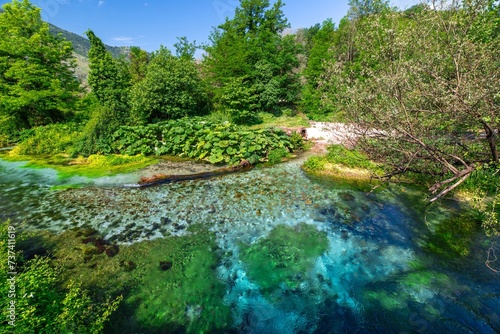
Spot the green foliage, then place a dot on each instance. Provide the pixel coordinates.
(315, 163)
(171, 89)
(49, 139)
(250, 51)
(277, 155)
(283, 257)
(484, 186)
(453, 236)
(423, 80)
(491, 217)
(93, 166)
(319, 53)
(200, 139)
(361, 8)
(184, 48)
(42, 304)
(139, 60)
(338, 154)
(95, 136)
(106, 77)
(37, 86)
(238, 101)
(110, 80)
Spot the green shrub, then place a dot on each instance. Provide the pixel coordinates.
(49, 139)
(297, 141)
(338, 154)
(8, 131)
(315, 164)
(277, 155)
(239, 101)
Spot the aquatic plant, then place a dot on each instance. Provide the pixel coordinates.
(284, 257)
(452, 237)
(169, 284)
(93, 166)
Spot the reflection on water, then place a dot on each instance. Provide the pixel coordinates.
(294, 255)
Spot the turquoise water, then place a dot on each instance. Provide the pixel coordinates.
(375, 273)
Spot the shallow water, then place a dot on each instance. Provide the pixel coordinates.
(374, 274)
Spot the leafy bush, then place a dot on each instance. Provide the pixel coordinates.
(483, 186)
(8, 131)
(95, 136)
(277, 155)
(41, 304)
(200, 139)
(49, 139)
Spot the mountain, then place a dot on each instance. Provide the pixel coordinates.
(81, 45)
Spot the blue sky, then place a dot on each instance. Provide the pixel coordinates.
(151, 23)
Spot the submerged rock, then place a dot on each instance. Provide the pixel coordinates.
(347, 197)
(165, 265)
(112, 250)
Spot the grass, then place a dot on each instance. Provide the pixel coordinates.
(94, 166)
(269, 120)
(343, 163)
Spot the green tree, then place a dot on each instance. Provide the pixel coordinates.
(171, 89)
(321, 43)
(251, 47)
(139, 60)
(239, 101)
(362, 8)
(37, 82)
(430, 89)
(109, 80)
(184, 48)
(306, 35)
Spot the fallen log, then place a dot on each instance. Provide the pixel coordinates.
(163, 178)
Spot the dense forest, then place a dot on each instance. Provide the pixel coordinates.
(421, 86)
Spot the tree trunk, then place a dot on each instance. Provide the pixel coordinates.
(490, 137)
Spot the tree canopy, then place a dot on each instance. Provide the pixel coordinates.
(171, 89)
(37, 82)
(428, 84)
(252, 48)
